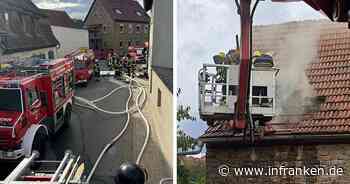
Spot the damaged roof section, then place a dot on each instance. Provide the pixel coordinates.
(327, 73)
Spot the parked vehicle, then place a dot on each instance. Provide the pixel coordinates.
(83, 65)
(35, 102)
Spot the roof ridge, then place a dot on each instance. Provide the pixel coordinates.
(296, 21)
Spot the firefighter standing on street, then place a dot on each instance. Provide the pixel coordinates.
(130, 66)
(109, 60)
(115, 58)
(124, 63)
(97, 71)
(117, 69)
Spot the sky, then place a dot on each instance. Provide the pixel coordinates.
(75, 8)
(206, 27)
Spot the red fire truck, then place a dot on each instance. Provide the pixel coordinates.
(137, 54)
(35, 102)
(83, 65)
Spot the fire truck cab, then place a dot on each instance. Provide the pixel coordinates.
(35, 102)
(218, 90)
(137, 54)
(83, 65)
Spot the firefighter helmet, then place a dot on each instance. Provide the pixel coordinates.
(130, 173)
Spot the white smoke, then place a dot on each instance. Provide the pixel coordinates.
(294, 46)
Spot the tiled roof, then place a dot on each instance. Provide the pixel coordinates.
(329, 76)
(125, 10)
(39, 35)
(22, 5)
(60, 18)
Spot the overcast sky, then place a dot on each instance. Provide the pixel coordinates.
(206, 27)
(75, 8)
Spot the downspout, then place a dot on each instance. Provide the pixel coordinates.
(249, 114)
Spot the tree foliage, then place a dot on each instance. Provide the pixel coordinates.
(186, 143)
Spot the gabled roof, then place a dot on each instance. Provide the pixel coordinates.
(24, 5)
(124, 10)
(60, 18)
(16, 39)
(328, 74)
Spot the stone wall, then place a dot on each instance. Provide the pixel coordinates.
(335, 156)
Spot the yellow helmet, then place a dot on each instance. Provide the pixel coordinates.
(5, 65)
(219, 58)
(257, 53)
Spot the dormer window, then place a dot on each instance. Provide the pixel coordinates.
(121, 28)
(118, 11)
(25, 24)
(138, 28)
(146, 28)
(130, 28)
(6, 16)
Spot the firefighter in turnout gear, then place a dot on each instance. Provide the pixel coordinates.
(118, 69)
(130, 66)
(97, 71)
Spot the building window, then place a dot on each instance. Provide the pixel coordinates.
(137, 43)
(121, 44)
(121, 28)
(259, 98)
(104, 29)
(233, 90)
(129, 43)
(118, 11)
(51, 54)
(138, 28)
(31, 26)
(139, 13)
(159, 98)
(146, 28)
(130, 28)
(25, 24)
(33, 96)
(6, 16)
(259, 91)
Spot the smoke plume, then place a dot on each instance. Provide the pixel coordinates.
(294, 45)
(298, 49)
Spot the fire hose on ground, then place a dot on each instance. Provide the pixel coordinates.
(137, 107)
